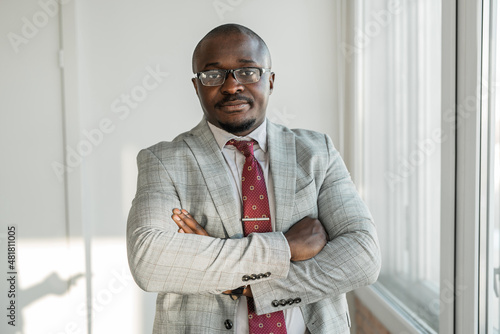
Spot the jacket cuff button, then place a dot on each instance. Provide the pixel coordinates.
(297, 300)
(275, 303)
(253, 276)
(245, 278)
(283, 302)
(267, 274)
(290, 301)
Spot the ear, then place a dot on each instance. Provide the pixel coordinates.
(271, 82)
(195, 84)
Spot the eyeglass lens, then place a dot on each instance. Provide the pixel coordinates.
(245, 75)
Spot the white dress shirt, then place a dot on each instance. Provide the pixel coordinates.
(235, 160)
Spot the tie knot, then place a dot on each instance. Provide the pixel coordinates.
(245, 147)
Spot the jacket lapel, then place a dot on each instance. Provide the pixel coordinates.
(213, 167)
(281, 146)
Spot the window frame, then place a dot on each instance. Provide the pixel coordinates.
(468, 153)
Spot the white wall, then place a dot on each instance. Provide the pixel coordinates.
(118, 44)
(47, 277)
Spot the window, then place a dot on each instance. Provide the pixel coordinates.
(401, 149)
(437, 206)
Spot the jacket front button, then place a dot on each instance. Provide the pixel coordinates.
(228, 323)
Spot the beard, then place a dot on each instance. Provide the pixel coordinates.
(235, 129)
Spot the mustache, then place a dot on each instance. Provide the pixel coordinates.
(235, 97)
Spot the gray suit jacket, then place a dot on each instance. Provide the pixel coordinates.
(189, 271)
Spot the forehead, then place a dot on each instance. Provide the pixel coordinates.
(230, 51)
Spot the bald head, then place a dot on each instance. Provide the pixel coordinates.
(231, 30)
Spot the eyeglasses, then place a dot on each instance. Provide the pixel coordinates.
(244, 75)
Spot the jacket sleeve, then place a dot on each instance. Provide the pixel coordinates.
(163, 260)
(351, 257)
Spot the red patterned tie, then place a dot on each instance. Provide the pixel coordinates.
(257, 219)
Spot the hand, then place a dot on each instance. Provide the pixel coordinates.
(247, 292)
(306, 239)
(186, 223)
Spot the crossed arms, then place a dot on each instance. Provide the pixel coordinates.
(163, 260)
(306, 238)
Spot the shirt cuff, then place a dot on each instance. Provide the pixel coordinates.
(287, 247)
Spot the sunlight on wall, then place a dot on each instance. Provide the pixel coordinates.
(54, 301)
(51, 287)
(117, 305)
(129, 176)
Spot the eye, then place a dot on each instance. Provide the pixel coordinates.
(247, 72)
(212, 75)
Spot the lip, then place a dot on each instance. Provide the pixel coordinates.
(234, 106)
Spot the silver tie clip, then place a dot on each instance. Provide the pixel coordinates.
(253, 219)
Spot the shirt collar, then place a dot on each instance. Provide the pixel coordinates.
(259, 135)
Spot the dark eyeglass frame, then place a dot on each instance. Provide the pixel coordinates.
(262, 70)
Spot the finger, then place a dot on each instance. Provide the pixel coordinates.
(193, 224)
(181, 231)
(181, 224)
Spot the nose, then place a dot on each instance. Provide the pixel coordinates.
(231, 85)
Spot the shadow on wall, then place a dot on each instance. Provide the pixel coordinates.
(51, 285)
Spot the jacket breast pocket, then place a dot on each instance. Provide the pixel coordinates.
(306, 201)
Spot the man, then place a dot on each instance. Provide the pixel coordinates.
(241, 239)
